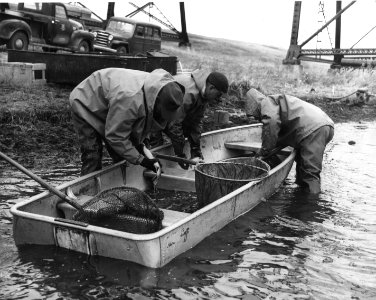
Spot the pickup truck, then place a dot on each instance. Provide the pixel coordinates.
(127, 36)
(42, 24)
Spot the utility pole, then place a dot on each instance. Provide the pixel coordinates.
(110, 10)
(338, 57)
(184, 40)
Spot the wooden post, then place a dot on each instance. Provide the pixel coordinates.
(221, 118)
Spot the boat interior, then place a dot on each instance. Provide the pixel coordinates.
(173, 179)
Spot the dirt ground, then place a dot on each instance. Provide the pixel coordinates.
(36, 129)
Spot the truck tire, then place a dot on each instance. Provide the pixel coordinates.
(121, 50)
(83, 46)
(18, 41)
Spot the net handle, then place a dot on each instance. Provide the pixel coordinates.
(175, 158)
(272, 152)
(41, 181)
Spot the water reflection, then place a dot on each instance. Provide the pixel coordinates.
(74, 274)
(295, 203)
(58, 272)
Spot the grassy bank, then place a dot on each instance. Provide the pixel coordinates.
(35, 125)
(258, 65)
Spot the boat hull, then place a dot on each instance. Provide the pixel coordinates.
(38, 221)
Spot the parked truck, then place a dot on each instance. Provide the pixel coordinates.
(43, 24)
(128, 36)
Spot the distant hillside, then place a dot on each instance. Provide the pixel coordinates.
(249, 64)
(232, 57)
(234, 48)
(245, 64)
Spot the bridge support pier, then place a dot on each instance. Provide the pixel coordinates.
(293, 71)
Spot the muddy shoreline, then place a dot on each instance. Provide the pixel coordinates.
(36, 129)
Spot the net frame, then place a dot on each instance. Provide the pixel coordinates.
(122, 208)
(229, 163)
(210, 188)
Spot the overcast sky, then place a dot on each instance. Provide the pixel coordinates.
(265, 22)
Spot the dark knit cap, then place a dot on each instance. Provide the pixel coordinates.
(219, 81)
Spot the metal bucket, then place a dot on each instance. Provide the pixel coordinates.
(215, 180)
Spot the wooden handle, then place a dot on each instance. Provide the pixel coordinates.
(272, 152)
(41, 181)
(175, 158)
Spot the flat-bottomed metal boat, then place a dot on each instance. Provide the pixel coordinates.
(45, 220)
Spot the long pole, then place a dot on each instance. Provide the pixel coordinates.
(175, 158)
(41, 182)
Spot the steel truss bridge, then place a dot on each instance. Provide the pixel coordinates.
(342, 57)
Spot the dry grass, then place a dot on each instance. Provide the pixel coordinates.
(35, 122)
(248, 64)
(30, 105)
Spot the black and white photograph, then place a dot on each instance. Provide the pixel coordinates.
(188, 150)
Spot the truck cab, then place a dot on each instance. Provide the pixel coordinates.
(127, 36)
(46, 24)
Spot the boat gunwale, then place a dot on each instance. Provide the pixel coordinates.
(214, 132)
(133, 236)
(15, 209)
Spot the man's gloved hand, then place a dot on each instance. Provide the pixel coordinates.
(261, 153)
(140, 148)
(183, 165)
(196, 155)
(198, 159)
(157, 164)
(151, 164)
(147, 143)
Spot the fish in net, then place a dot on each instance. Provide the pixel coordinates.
(122, 208)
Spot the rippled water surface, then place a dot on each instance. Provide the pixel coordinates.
(291, 247)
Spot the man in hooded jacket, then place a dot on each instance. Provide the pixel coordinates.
(120, 107)
(289, 121)
(202, 88)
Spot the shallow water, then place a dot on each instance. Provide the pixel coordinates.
(291, 247)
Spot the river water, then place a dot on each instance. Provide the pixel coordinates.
(291, 247)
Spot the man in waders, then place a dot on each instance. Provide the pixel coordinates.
(289, 121)
(202, 88)
(119, 107)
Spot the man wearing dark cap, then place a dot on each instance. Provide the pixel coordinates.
(120, 107)
(202, 88)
